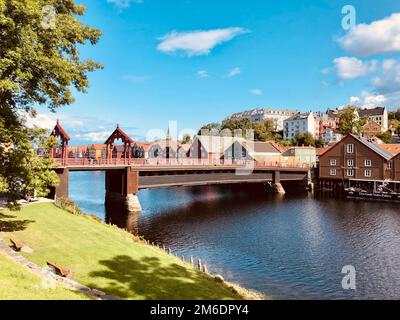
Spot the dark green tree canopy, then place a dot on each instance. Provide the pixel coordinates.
(39, 59)
(39, 65)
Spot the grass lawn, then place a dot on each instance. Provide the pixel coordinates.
(105, 258)
(18, 283)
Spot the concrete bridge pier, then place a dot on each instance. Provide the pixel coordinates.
(62, 189)
(276, 183)
(122, 186)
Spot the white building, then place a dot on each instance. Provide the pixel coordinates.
(299, 123)
(330, 136)
(258, 115)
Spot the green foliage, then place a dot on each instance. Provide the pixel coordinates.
(349, 122)
(263, 131)
(394, 115)
(286, 143)
(186, 139)
(211, 129)
(305, 139)
(68, 205)
(38, 66)
(386, 137)
(396, 125)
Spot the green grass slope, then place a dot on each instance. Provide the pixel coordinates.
(18, 283)
(106, 258)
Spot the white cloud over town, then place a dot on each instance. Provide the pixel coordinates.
(351, 68)
(380, 36)
(197, 43)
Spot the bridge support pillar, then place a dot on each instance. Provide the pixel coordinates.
(122, 186)
(276, 183)
(62, 189)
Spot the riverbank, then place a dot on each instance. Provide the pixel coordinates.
(105, 258)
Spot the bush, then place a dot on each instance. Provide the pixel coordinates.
(68, 205)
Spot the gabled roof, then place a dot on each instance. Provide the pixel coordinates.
(58, 130)
(264, 147)
(392, 148)
(372, 146)
(378, 111)
(217, 144)
(118, 133)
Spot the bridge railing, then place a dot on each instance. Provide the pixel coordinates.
(89, 162)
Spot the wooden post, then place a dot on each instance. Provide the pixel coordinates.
(191, 261)
(199, 264)
(205, 268)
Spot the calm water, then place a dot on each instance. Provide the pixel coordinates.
(290, 247)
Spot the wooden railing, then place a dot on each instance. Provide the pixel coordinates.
(87, 162)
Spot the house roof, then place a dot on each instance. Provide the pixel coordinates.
(321, 151)
(393, 148)
(58, 130)
(378, 111)
(374, 147)
(118, 132)
(378, 149)
(217, 144)
(265, 147)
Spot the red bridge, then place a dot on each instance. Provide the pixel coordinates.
(126, 176)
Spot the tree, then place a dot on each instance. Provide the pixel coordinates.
(243, 124)
(211, 128)
(305, 139)
(396, 125)
(386, 137)
(186, 139)
(264, 131)
(349, 122)
(394, 115)
(39, 65)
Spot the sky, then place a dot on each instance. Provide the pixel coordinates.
(198, 61)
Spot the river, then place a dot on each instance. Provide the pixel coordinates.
(288, 247)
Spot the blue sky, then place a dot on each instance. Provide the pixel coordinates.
(197, 61)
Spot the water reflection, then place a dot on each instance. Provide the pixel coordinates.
(289, 247)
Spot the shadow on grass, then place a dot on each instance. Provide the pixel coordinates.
(147, 279)
(13, 225)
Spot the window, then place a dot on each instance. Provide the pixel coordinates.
(368, 163)
(389, 166)
(333, 162)
(350, 163)
(350, 173)
(350, 148)
(367, 173)
(333, 172)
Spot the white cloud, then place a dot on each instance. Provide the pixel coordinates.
(197, 43)
(351, 68)
(96, 136)
(234, 72)
(257, 92)
(42, 120)
(202, 74)
(388, 81)
(122, 4)
(368, 100)
(380, 36)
